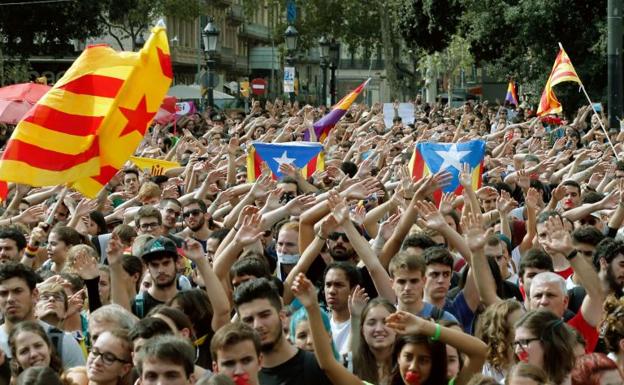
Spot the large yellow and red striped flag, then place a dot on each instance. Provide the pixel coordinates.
(87, 126)
(562, 71)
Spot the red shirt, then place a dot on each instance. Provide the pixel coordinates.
(566, 273)
(589, 333)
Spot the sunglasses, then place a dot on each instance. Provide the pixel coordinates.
(334, 236)
(194, 212)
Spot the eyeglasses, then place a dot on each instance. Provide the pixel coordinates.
(150, 225)
(524, 343)
(334, 236)
(48, 296)
(194, 212)
(107, 358)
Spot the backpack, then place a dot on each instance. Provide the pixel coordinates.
(56, 337)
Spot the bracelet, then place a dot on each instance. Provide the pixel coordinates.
(29, 254)
(571, 256)
(438, 331)
(32, 249)
(320, 237)
(235, 229)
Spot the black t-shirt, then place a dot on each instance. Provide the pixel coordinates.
(315, 274)
(143, 303)
(302, 369)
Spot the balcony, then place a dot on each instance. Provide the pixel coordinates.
(235, 15)
(222, 3)
(256, 32)
(242, 64)
(227, 57)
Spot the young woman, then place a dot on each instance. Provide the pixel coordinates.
(300, 334)
(60, 240)
(109, 361)
(372, 355)
(596, 369)
(31, 347)
(526, 374)
(496, 328)
(544, 340)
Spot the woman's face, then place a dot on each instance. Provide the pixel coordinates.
(92, 228)
(56, 248)
(452, 362)
(108, 359)
(303, 337)
(414, 363)
(376, 334)
(104, 287)
(31, 350)
(528, 347)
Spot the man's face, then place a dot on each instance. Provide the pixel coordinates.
(265, 320)
(239, 361)
(131, 183)
(527, 277)
(160, 372)
(438, 281)
(488, 199)
(337, 289)
(586, 251)
(572, 197)
(542, 236)
(408, 286)
(289, 191)
(194, 217)
(287, 242)
(149, 225)
(339, 246)
(212, 244)
(50, 304)
(16, 300)
(615, 274)
(170, 214)
(498, 253)
(9, 251)
(163, 271)
(548, 295)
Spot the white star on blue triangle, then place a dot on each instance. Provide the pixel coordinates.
(299, 154)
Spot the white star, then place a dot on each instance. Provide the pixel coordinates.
(284, 159)
(452, 158)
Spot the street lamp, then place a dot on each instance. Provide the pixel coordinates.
(334, 57)
(290, 36)
(139, 42)
(324, 55)
(210, 36)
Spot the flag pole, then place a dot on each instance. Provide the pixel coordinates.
(598, 116)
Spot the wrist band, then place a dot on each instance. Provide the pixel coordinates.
(571, 255)
(320, 237)
(438, 331)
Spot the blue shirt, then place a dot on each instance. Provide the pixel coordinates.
(460, 309)
(428, 309)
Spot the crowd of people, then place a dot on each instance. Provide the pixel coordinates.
(360, 274)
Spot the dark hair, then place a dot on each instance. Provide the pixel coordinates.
(420, 240)
(149, 327)
(232, 334)
(163, 202)
(537, 259)
(349, 168)
(351, 272)
(592, 196)
(74, 280)
(131, 170)
(254, 289)
(100, 222)
(589, 369)
(35, 328)
(39, 375)
(608, 249)
(15, 235)
(437, 349)
(572, 183)
(438, 254)
(219, 234)
(250, 265)
(133, 265)
(406, 261)
(197, 307)
(180, 320)
(587, 234)
(69, 235)
(557, 340)
(170, 349)
(364, 361)
(544, 215)
(14, 269)
(147, 212)
(199, 202)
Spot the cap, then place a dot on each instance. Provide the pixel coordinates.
(159, 246)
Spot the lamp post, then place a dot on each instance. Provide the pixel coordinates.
(290, 36)
(139, 42)
(334, 56)
(324, 55)
(211, 43)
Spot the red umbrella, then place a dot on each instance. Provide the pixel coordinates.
(17, 99)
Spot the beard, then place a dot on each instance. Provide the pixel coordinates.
(341, 254)
(268, 346)
(167, 284)
(199, 225)
(615, 286)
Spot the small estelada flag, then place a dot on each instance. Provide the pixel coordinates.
(562, 71)
(306, 156)
(154, 166)
(512, 95)
(85, 128)
(431, 158)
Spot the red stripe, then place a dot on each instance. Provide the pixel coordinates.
(257, 165)
(419, 165)
(42, 158)
(94, 85)
(106, 174)
(59, 121)
(311, 166)
(165, 63)
(480, 179)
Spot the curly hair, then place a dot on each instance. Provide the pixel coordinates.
(494, 329)
(612, 330)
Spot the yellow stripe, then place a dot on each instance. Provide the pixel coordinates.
(52, 140)
(251, 169)
(476, 175)
(21, 172)
(71, 103)
(149, 163)
(320, 161)
(120, 72)
(88, 187)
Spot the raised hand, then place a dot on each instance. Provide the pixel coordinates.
(357, 301)
(31, 215)
(404, 323)
(523, 180)
(505, 203)
(465, 176)
(288, 170)
(430, 216)
(114, 250)
(305, 291)
(261, 186)
(193, 250)
(170, 191)
(446, 203)
(474, 231)
(75, 303)
(387, 227)
(611, 200)
(273, 199)
(250, 230)
(559, 238)
(532, 198)
(338, 207)
(558, 193)
(295, 207)
(216, 175)
(362, 189)
(85, 266)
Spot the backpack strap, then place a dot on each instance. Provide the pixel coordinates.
(56, 337)
(139, 305)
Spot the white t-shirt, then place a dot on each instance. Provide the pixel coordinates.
(341, 333)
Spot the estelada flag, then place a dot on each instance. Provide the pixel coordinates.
(431, 158)
(306, 156)
(85, 128)
(512, 96)
(326, 123)
(562, 71)
(153, 166)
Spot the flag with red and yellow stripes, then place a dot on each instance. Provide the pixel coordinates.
(562, 71)
(87, 126)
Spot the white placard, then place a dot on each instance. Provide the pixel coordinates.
(289, 79)
(406, 112)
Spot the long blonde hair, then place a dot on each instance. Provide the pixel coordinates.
(494, 329)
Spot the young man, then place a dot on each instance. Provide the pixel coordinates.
(236, 353)
(197, 221)
(408, 281)
(148, 220)
(166, 360)
(18, 294)
(109, 317)
(608, 259)
(12, 245)
(340, 280)
(259, 306)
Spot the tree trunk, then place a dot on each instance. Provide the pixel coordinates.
(390, 51)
